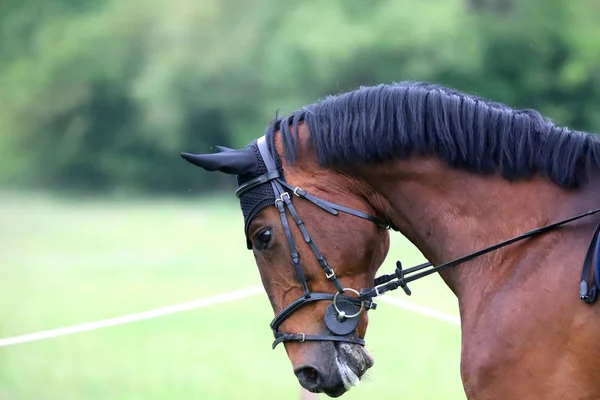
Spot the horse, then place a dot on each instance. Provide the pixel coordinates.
(502, 202)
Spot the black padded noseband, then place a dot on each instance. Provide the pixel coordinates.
(269, 188)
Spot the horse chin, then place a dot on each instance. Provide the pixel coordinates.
(352, 362)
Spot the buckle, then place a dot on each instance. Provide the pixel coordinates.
(281, 198)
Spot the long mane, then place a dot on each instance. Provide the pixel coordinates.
(389, 122)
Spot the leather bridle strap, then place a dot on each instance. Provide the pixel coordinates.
(269, 176)
(333, 208)
(301, 337)
(290, 240)
(302, 301)
(329, 273)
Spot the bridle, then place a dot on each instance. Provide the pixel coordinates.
(342, 315)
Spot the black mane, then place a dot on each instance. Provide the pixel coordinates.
(388, 122)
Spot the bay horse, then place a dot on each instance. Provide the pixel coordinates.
(502, 202)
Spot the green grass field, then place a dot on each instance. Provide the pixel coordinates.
(64, 262)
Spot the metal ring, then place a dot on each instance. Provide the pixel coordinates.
(362, 304)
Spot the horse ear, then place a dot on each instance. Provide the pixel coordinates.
(235, 162)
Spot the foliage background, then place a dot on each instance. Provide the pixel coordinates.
(100, 96)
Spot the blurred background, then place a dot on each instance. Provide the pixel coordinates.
(100, 217)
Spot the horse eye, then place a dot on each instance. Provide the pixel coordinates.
(262, 240)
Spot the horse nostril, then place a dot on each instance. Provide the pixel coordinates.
(309, 377)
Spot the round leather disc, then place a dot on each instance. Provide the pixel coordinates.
(345, 326)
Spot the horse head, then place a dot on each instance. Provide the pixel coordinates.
(316, 247)
(470, 183)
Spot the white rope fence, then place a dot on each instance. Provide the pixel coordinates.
(127, 319)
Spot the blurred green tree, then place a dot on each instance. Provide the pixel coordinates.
(102, 95)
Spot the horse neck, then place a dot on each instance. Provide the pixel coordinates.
(447, 213)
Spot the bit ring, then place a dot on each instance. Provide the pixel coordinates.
(362, 304)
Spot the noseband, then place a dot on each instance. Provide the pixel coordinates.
(342, 315)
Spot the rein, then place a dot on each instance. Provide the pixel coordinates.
(401, 279)
(341, 315)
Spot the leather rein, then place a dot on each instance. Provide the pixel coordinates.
(342, 315)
